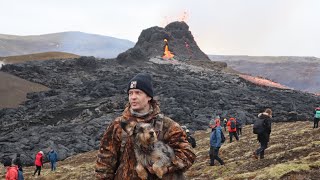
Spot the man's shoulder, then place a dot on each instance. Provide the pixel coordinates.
(169, 123)
(168, 120)
(118, 119)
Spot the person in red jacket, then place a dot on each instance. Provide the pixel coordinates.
(38, 162)
(12, 172)
(232, 129)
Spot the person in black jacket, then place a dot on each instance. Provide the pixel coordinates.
(191, 139)
(264, 135)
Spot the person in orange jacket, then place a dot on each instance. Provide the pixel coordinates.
(38, 162)
(232, 129)
(12, 172)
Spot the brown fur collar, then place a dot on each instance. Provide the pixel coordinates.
(264, 114)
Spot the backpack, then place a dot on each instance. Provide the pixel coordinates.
(223, 138)
(233, 124)
(20, 175)
(317, 115)
(258, 126)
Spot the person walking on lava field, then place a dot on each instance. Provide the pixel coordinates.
(12, 170)
(38, 162)
(190, 138)
(212, 122)
(53, 158)
(316, 117)
(225, 124)
(262, 127)
(215, 143)
(116, 157)
(239, 127)
(232, 128)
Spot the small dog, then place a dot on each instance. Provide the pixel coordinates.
(149, 151)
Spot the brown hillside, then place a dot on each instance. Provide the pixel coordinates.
(38, 56)
(293, 153)
(13, 90)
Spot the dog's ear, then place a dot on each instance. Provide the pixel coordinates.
(128, 126)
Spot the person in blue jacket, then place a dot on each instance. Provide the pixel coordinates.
(316, 117)
(215, 143)
(53, 158)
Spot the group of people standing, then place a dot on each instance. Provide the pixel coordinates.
(14, 169)
(262, 127)
(52, 157)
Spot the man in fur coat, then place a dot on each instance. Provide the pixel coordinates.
(116, 158)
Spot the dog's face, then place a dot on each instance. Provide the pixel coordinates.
(144, 133)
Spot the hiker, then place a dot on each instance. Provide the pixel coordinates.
(6, 163)
(215, 143)
(239, 127)
(316, 117)
(12, 171)
(190, 139)
(53, 158)
(38, 163)
(116, 158)
(225, 124)
(212, 122)
(232, 128)
(17, 161)
(262, 127)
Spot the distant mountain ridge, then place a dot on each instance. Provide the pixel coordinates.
(37, 56)
(300, 73)
(79, 43)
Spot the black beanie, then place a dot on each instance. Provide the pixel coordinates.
(142, 81)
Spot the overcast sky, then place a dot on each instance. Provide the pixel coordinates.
(230, 27)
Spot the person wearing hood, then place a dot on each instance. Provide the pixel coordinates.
(215, 142)
(262, 127)
(212, 122)
(53, 158)
(38, 163)
(116, 158)
(12, 171)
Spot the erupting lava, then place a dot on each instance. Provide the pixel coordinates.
(167, 54)
(263, 82)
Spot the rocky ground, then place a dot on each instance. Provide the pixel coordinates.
(293, 153)
(87, 93)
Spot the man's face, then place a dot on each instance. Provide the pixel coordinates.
(139, 100)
